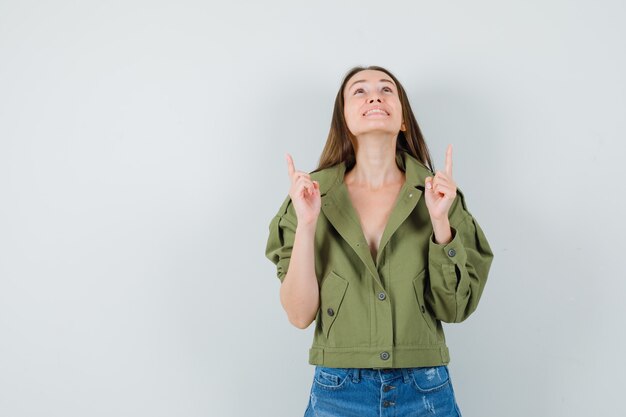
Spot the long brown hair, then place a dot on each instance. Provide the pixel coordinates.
(340, 143)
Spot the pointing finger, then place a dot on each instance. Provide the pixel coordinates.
(449, 160)
(290, 166)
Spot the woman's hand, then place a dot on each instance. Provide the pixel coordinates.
(441, 191)
(304, 193)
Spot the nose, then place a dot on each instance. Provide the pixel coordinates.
(373, 95)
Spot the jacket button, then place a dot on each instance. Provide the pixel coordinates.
(451, 252)
(410, 195)
(381, 296)
(384, 355)
(330, 312)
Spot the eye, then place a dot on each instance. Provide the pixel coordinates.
(388, 88)
(357, 90)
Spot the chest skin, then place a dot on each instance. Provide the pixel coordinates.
(373, 208)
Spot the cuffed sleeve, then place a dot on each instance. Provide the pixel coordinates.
(282, 231)
(458, 269)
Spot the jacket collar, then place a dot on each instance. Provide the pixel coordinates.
(337, 206)
(415, 173)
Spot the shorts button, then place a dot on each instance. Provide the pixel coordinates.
(388, 403)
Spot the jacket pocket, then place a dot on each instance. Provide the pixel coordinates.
(418, 286)
(331, 297)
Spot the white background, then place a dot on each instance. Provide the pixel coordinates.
(142, 157)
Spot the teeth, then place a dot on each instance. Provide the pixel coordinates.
(375, 111)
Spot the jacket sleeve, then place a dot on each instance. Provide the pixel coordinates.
(282, 232)
(458, 270)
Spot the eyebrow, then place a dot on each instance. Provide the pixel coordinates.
(362, 81)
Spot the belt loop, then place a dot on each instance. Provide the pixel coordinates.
(405, 375)
(356, 374)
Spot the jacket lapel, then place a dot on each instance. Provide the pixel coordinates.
(337, 207)
(409, 195)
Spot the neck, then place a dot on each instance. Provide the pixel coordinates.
(375, 165)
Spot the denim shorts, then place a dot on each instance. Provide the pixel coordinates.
(368, 392)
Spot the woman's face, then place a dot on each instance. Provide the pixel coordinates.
(372, 104)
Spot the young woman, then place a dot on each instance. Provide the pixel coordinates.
(378, 249)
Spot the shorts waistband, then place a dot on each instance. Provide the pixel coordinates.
(381, 374)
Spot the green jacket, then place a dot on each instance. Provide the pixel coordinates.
(386, 313)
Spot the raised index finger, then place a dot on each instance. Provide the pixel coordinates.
(449, 161)
(290, 166)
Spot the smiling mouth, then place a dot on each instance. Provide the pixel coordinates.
(375, 111)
